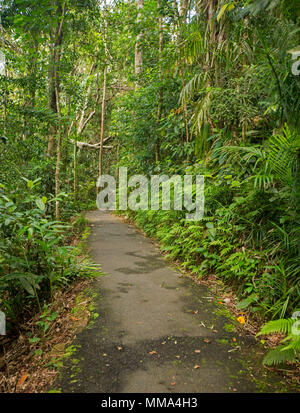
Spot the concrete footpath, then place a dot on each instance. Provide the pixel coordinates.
(157, 331)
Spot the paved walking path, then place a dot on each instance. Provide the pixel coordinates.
(157, 331)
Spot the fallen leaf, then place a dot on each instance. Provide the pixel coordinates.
(153, 352)
(173, 383)
(206, 340)
(22, 379)
(197, 351)
(120, 348)
(196, 366)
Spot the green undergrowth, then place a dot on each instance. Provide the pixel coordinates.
(214, 246)
(38, 254)
(266, 284)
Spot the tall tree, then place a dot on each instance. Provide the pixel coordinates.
(104, 91)
(56, 39)
(160, 76)
(139, 38)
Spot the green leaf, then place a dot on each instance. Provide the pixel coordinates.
(22, 230)
(27, 286)
(34, 340)
(230, 6)
(30, 233)
(30, 184)
(41, 205)
(245, 303)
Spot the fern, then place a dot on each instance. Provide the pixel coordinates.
(282, 156)
(283, 326)
(279, 355)
(287, 352)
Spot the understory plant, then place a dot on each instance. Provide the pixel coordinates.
(289, 349)
(34, 260)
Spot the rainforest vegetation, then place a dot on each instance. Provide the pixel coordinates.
(201, 87)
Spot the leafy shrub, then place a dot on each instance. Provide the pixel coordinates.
(33, 259)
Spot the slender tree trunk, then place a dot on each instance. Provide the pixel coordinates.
(161, 92)
(102, 121)
(116, 163)
(56, 96)
(212, 8)
(33, 73)
(184, 5)
(138, 46)
(52, 104)
(82, 122)
(5, 73)
(185, 109)
(54, 76)
(58, 156)
(75, 171)
(103, 108)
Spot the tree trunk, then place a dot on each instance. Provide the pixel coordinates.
(54, 76)
(102, 122)
(103, 95)
(185, 109)
(212, 8)
(56, 96)
(58, 157)
(5, 73)
(160, 93)
(82, 121)
(138, 46)
(184, 5)
(75, 172)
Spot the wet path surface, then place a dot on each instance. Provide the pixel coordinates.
(157, 331)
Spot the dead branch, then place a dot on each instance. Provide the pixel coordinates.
(81, 145)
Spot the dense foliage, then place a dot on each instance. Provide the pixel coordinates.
(198, 87)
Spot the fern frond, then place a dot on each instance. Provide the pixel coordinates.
(283, 326)
(279, 355)
(295, 343)
(282, 153)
